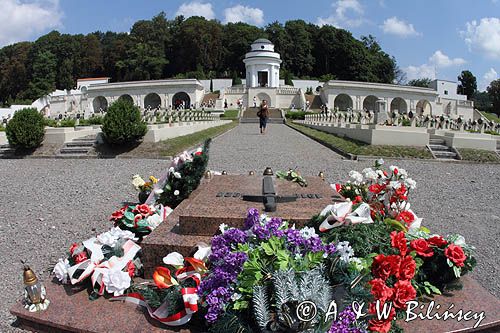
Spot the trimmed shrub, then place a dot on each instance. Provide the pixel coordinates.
(67, 123)
(26, 129)
(296, 115)
(122, 123)
(50, 122)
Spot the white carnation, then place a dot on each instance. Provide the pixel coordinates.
(116, 282)
(137, 181)
(61, 271)
(410, 183)
(370, 174)
(356, 177)
(307, 232)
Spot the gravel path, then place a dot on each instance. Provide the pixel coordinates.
(48, 204)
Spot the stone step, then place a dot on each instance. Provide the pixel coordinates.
(256, 120)
(436, 141)
(439, 147)
(445, 154)
(80, 144)
(74, 150)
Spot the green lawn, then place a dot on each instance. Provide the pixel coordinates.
(491, 116)
(177, 145)
(360, 148)
(477, 155)
(230, 114)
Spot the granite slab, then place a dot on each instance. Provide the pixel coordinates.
(220, 201)
(71, 311)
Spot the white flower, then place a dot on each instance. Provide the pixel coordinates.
(345, 251)
(116, 281)
(158, 191)
(307, 233)
(381, 175)
(402, 173)
(460, 240)
(61, 271)
(410, 183)
(204, 251)
(370, 174)
(223, 228)
(137, 181)
(177, 175)
(176, 192)
(171, 170)
(174, 259)
(154, 221)
(356, 177)
(122, 234)
(380, 161)
(107, 238)
(356, 263)
(185, 157)
(394, 185)
(235, 297)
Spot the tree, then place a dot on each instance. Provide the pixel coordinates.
(423, 82)
(494, 94)
(482, 101)
(26, 129)
(468, 84)
(44, 71)
(300, 60)
(122, 123)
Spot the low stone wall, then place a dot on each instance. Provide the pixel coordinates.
(468, 140)
(60, 135)
(3, 139)
(161, 132)
(376, 134)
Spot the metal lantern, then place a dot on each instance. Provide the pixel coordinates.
(321, 175)
(208, 174)
(268, 172)
(34, 291)
(251, 173)
(224, 173)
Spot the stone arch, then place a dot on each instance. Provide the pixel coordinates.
(399, 104)
(343, 102)
(181, 98)
(370, 103)
(263, 96)
(126, 98)
(424, 107)
(152, 101)
(100, 104)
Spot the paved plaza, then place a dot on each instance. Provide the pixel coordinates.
(48, 204)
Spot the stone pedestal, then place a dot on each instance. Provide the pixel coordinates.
(381, 117)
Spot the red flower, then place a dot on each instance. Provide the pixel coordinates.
(403, 292)
(376, 188)
(380, 324)
(163, 279)
(437, 241)
(398, 241)
(396, 171)
(198, 153)
(357, 200)
(123, 209)
(72, 248)
(456, 254)
(137, 218)
(380, 290)
(80, 257)
(422, 247)
(116, 216)
(407, 268)
(338, 187)
(142, 209)
(385, 266)
(406, 217)
(131, 268)
(401, 192)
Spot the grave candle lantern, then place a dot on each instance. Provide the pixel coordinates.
(34, 292)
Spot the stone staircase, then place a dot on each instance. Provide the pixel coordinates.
(7, 151)
(250, 116)
(440, 150)
(78, 148)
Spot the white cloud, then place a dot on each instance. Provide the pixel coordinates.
(245, 14)
(483, 36)
(428, 70)
(489, 76)
(395, 26)
(196, 8)
(419, 72)
(22, 20)
(348, 14)
(439, 59)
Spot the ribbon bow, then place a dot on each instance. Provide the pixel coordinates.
(341, 214)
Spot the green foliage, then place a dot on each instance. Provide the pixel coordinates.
(94, 120)
(478, 155)
(67, 123)
(295, 115)
(2, 129)
(292, 176)
(49, 122)
(26, 129)
(468, 84)
(494, 94)
(191, 173)
(482, 102)
(122, 123)
(424, 82)
(230, 114)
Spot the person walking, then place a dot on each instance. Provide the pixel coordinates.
(263, 115)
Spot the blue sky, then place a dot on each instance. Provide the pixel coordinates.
(427, 37)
